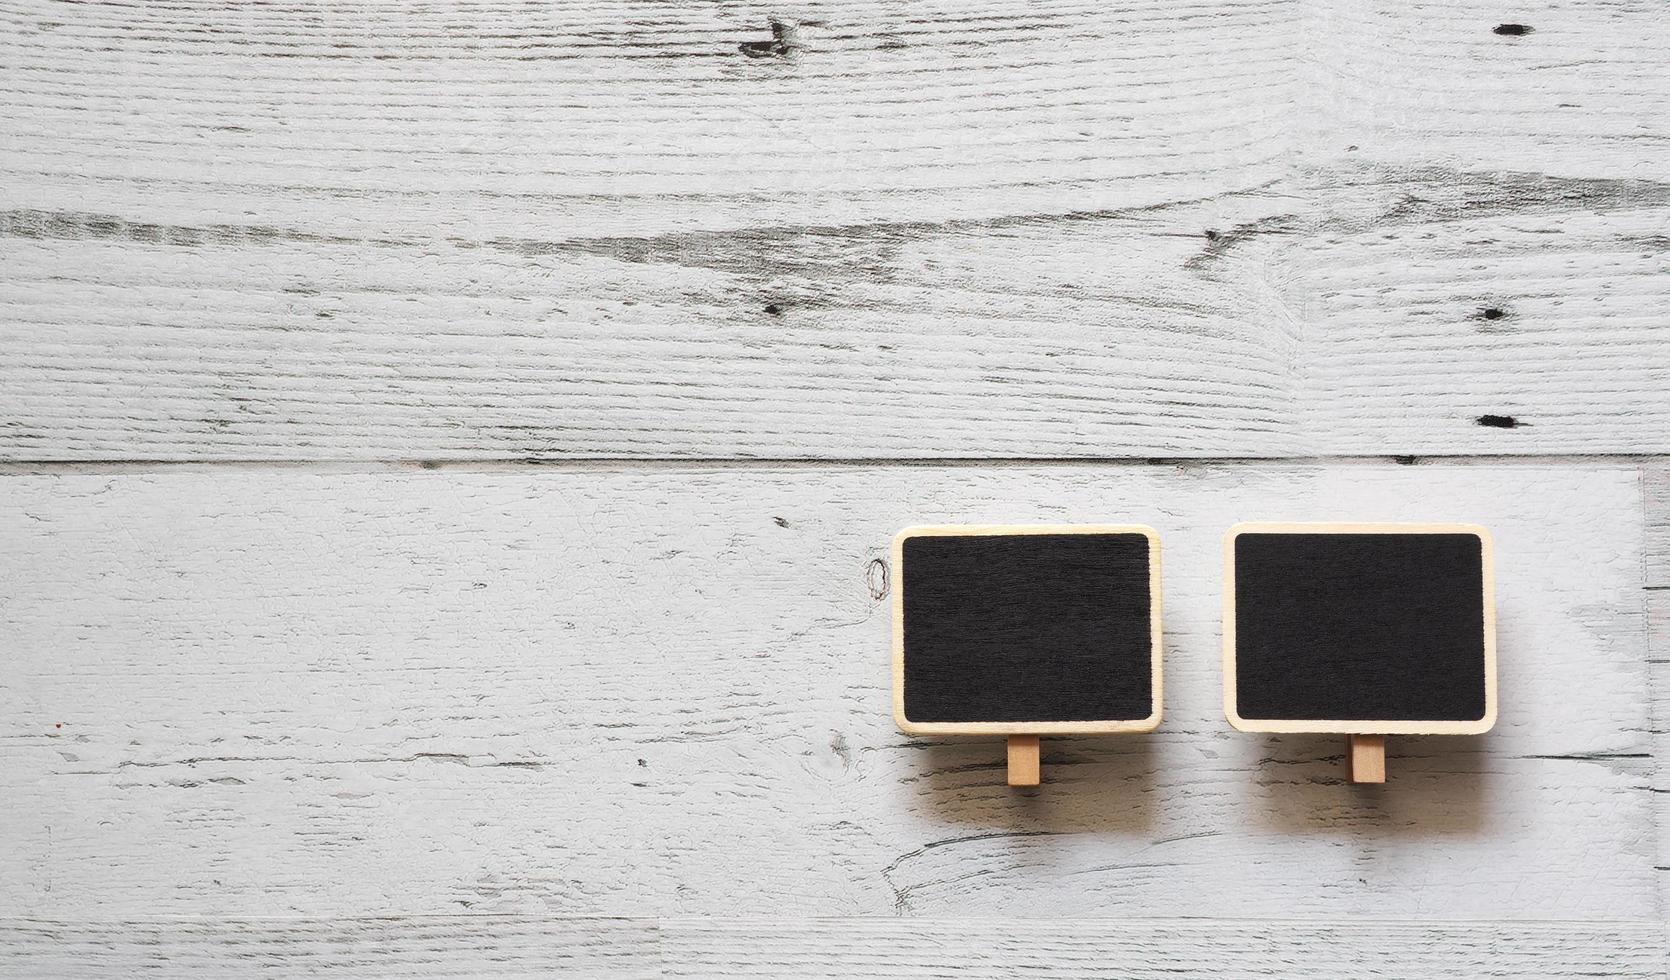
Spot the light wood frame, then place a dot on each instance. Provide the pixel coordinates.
(909, 727)
(1356, 726)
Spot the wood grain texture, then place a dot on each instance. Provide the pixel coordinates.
(1231, 950)
(652, 691)
(1656, 491)
(430, 947)
(1220, 228)
(500, 946)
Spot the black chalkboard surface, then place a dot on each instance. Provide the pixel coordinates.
(1359, 628)
(1011, 629)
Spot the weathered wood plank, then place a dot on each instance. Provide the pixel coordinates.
(1147, 950)
(1228, 228)
(424, 946)
(543, 946)
(1501, 316)
(1655, 487)
(662, 690)
(1576, 89)
(639, 118)
(1656, 490)
(792, 342)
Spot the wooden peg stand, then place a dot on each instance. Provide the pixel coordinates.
(1366, 757)
(1023, 760)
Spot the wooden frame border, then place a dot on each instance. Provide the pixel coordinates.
(909, 727)
(1356, 726)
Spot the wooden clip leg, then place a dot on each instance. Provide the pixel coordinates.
(1023, 760)
(1367, 758)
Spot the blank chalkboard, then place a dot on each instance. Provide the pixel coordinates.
(1009, 629)
(1359, 628)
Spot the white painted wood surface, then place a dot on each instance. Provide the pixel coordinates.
(1219, 228)
(1656, 487)
(544, 946)
(1159, 951)
(410, 946)
(628, 718)
(647, 693)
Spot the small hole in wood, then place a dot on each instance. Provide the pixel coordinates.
(876, 579)
(1512, 30)
(1499, 421)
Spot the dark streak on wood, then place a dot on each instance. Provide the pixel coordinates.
(1219, 243)
(785, 40)
(1429, 194)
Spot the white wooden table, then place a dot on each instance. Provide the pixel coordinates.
(449, 452)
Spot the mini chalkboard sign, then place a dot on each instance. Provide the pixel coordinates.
(1026, 630)
(1363, 629)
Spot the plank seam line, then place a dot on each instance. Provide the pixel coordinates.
(12, 467)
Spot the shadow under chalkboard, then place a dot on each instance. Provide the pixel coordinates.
(1090, 783)
(1436, 785)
